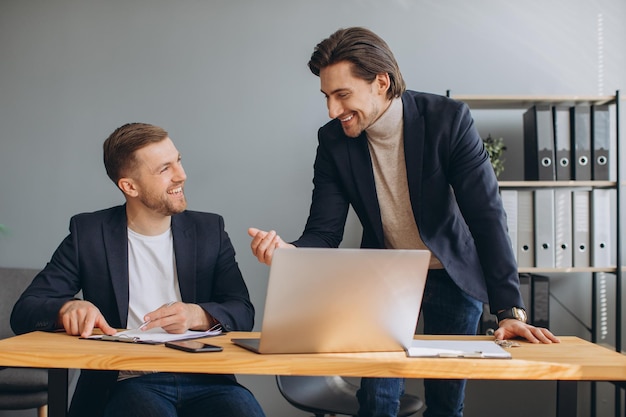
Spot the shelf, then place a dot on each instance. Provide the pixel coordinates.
(557, 184)
(534, 270)
(523, 102)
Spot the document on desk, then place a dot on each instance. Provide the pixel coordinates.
(457, 349)
(154, 336)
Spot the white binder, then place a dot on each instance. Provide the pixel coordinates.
(601, 227)
(509, 201)
(563, 228)
(525, 229)
(544, 228)
(580, 228)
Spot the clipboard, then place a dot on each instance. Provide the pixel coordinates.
(471, 349)
(155, 336)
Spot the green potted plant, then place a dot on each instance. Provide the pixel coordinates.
(495, 147)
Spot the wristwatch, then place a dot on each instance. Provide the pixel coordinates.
(516, 313)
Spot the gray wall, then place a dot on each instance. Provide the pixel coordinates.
(228, 80)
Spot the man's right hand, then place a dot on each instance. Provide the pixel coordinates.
(80, 317)
(264, 243)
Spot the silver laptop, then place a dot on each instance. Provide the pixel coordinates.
(341, 300)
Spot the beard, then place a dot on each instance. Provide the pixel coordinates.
(164, 205)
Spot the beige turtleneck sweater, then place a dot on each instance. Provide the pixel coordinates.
(386, 145)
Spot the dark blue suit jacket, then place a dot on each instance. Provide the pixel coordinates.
(94, 258)
(453, 192)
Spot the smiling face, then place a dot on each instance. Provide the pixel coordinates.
(158, 179)
(355, 102)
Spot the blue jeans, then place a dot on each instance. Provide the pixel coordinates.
(445, 310)
(178, 395)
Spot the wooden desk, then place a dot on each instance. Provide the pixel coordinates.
(568, 362)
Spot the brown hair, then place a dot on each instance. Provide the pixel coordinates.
(367, 52)
(119, 148)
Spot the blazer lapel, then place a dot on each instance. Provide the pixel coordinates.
(184, 235)
(414, 134)
(115, 236)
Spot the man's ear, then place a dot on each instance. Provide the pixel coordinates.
(127, 185)
(382, 82)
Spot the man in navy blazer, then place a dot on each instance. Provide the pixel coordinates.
(148, 260)
(414, 169)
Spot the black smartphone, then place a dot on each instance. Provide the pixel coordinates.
(193, 346)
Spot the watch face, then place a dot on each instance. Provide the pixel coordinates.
(520, 314)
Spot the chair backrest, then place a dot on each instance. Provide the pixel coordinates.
(13, 282)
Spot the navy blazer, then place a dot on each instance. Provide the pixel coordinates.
(94, 258)
(453, 192)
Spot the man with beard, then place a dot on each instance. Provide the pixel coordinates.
(149, 260)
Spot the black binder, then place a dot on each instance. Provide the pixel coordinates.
(539, 144)
(600, 141)
(581, 142)
(540, 310)
(562, 143)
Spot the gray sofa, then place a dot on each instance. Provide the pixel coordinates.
(20, 388)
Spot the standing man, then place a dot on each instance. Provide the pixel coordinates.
(415, 170)
(147, 260)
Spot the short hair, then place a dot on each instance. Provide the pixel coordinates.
(119, 148)
(368, 53)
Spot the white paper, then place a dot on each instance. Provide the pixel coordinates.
(155, 335)
(457, 349)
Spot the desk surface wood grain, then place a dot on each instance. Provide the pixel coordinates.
(572, 359)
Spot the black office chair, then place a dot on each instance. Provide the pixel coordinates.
(23, 389)
(20, 388)
(322, 395)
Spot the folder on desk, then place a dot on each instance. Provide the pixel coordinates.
(509, 202)
(525, 229)
(563, 227)
(155, 336)
(601, 227)
(580, 228)
(472, 349)
(544, 228)
(539, 144)
(600, 141)
(581, 142)
(562, 143)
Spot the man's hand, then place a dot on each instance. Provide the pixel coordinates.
(264, 243)
(510, 328)
(80, 317)
(178, 318)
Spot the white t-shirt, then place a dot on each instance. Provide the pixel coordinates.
(153, 280)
